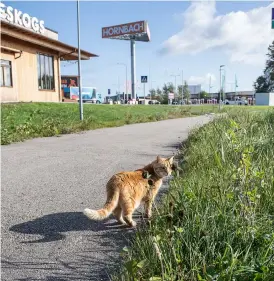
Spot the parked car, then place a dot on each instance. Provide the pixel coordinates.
(236, 102)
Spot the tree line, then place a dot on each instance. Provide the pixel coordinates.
(265, 82)
(181, 93)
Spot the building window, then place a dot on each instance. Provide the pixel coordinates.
(45, 70)
(5, 72)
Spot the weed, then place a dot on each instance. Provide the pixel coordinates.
(217, 220)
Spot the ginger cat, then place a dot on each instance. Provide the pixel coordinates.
(126, 190)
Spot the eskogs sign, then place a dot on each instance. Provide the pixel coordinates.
(15, 16)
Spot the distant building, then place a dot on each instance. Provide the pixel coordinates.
(231, 95)
(265, 99)
(194, 90)
(241, 94)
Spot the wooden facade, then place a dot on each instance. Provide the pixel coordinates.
(20, 48)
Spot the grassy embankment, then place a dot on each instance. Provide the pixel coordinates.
(30, 120)
(217, 220)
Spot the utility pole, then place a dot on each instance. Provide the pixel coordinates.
(175, 75)
(182, 86)
(144, 93)
(150, 81)
(236, 85)
(221, 66)
(133, 69)
(118, 97)
(79, 64)
(126, 78)
(224, 86)
(209, 88)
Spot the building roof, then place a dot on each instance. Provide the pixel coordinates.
(65, 51)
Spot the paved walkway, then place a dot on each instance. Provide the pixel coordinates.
(47, 182)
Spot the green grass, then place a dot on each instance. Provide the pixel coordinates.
(217, 220)
(30, 120)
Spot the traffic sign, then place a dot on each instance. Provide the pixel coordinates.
(171, 96)
(143, 79)
(272, 18)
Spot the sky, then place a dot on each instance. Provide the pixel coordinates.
(190, 39)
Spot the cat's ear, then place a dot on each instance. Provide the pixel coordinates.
(170, 160)
(159, 159)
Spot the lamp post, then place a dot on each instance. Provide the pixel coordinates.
(151, 88)
(221, 90)
(182, 86)
(126, 78)
(79, 64)
(175, 75)
(210, 87)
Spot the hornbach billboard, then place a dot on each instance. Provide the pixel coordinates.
(272, 25)
(127, 31)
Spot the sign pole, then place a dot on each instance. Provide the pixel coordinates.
(182, 86)
(221, 86)
(126, 85)
(79, 64)
(133, 77)
(144, 92)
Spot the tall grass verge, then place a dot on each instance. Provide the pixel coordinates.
(217, 220)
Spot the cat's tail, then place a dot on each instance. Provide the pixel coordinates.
(110, 205)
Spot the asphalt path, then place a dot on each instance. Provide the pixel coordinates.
(46, 184)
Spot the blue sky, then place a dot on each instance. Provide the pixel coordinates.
(207, 35)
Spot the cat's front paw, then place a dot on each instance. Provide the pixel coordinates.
(148, 215)
(133, 224)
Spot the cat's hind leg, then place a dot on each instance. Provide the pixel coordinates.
(128, 210)
(148, 208)
(118, 215)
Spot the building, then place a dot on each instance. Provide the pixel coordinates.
(231, 95)
(240, 94)
(194, 91)
(265, 99)
(30, 58)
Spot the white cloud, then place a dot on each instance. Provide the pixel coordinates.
(193, 80)
(243, 36)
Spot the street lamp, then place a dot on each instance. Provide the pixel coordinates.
(210, 87)
(79, 63)
(182, 85)
(221, 66)
(126, 78)
(175, 75)
(151, 88)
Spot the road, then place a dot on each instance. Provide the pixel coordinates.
(47, 182)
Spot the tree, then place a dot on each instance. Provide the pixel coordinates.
(186, 92)
(261, 85)
(180, 92)
(203, 95)
(269, 69)
(265, 82)
(159, 95)
(152, 93)
(167, 88)
(159, 92)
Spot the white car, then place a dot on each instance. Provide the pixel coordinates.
(236, 102)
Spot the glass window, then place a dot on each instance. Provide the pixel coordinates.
(5, 73)
(45, 70)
